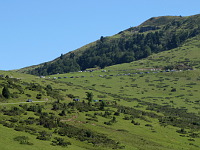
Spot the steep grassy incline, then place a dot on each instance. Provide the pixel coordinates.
(153, 36)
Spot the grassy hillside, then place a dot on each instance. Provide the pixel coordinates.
(153, 36)
(137, 105)
(146, 104)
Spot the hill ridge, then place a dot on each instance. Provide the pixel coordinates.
(155, 35)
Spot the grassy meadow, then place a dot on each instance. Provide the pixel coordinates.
(132, 107)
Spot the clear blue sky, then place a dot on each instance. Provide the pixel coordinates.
(37, 31)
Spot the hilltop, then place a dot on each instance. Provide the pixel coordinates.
(153, 36)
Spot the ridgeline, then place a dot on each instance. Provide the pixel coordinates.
(153, 36)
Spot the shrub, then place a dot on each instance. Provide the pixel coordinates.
(60, 142)
(182, 131)
(44, 136)
(71, 96)
(39, 96)
(28, 95)
(173, 90)
(23, 140)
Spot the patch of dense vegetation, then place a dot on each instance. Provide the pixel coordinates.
(52, 121)
(176, 116)
(13, 88)
(154, 36)
(86, 135)
(23, 140)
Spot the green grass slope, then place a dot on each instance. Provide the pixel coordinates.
(133, 106)
(7, 142)
(149, 104)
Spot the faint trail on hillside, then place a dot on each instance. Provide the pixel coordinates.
(23, 102)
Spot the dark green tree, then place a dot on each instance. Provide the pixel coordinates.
(5, 92)
(114, 119)
(49, 87)
(61, 56)
(62, 113)
(89, 96)
(102, 105)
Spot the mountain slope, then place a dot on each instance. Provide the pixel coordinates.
(184, 57)
(153, 36)
(132, 108)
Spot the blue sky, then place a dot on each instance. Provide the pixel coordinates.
(37, 31)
